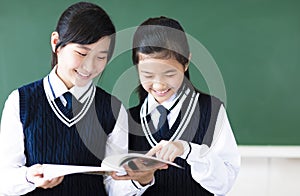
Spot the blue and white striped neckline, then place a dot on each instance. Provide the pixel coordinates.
(186, 92)
(86, 99)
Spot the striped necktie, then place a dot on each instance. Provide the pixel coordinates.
(163, 125)
(67, 110)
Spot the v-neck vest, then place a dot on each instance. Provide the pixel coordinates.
(174, 181)
(49, 140)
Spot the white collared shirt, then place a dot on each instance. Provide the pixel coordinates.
(12, 158)
(216, 169)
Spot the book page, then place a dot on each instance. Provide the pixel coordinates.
(136, 162)
(54, 170)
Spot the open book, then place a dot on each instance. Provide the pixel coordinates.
(135, 161)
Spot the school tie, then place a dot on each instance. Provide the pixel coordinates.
(163, 125)
(68, 97)
(68, 108)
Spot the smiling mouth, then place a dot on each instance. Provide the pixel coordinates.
(161, 93)
(83, 75)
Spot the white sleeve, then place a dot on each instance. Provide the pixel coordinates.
(217, 169)
(117, 143)
(12, 158)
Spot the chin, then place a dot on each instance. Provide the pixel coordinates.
(81, 84)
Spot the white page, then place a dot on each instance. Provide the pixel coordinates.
(54, 170)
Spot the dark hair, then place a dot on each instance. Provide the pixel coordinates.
(162, 38)
(84, 23)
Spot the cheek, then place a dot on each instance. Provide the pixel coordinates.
(71, 62)
(176, 83)
(100, 68)
(145, 82)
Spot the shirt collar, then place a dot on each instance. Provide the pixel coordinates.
(55, 84)
(152, 103)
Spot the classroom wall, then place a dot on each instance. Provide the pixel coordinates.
(244, 52)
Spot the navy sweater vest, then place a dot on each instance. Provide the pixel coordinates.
(48, 140)
(175, 181)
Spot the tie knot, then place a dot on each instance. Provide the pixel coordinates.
(162, 110)
(68, 97)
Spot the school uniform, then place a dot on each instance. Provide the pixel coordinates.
(211, 160)
(38, 127)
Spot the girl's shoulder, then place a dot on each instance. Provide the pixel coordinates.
(32, 85)
(205, 98)
(134, 112)
(101, 93)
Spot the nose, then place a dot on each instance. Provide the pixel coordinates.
(158, 85)
(89, 63)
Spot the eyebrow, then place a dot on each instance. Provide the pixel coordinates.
(87, 48)
(166, 72)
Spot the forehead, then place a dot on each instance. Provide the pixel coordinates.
(102, 45)
(151, 64)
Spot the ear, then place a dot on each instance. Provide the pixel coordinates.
(188, 63)
(54, 40)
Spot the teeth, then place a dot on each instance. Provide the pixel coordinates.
(161, 92)
(82, 74)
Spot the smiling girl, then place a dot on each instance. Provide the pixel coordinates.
(176, 122)
(64, 118)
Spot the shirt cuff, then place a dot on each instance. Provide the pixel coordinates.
(140, 187)
(186, 149)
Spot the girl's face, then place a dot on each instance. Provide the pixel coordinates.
(160, 77)
(79, 64)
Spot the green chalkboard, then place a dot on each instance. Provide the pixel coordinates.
(245, 52)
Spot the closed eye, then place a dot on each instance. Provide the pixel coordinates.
(81, 54)
(170, 75)
(101, 57)
(148, 76)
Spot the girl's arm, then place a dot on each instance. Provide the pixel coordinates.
(16, 178)
(217, 169)
(117, 143)
(12, 159)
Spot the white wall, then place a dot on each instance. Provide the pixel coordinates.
(268, 171)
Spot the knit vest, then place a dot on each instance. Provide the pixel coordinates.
(48, 140)
(175, 181)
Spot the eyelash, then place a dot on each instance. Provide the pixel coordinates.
(170, 76)
(101, 58)
(81, 54)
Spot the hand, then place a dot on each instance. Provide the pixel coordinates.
(137, 171)
(167, 150)
(143, 177)
(35, 175)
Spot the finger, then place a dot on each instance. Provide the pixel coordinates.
(166, 166)
(169, 152)
(52, 183)
(162, 154)
(154, 150)
(59, 180)
(157, 148)
(173, 155)
(116, 177)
